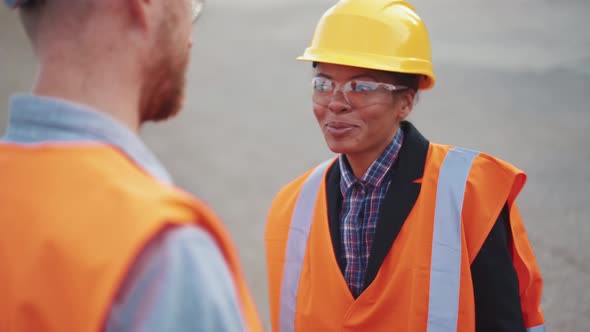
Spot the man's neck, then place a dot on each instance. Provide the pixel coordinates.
(101, 86)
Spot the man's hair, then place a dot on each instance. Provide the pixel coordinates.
(28, 7)
(30, 3)
(42, 15)
(29, 12)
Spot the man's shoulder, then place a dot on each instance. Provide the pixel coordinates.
(188, 244)
(185, 269)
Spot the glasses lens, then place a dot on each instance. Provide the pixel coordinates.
(197, 8)
(364, 93)
(322, 90)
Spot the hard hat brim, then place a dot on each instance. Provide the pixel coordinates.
(374, 61)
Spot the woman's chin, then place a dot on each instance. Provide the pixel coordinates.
(340, 146)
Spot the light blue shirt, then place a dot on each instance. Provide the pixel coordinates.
(180, 281)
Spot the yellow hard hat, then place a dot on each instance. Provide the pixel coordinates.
(376, 34)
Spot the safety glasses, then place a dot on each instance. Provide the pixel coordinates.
(357, 93)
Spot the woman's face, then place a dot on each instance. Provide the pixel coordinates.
(359, 120)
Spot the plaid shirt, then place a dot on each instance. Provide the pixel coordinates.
(360, 211)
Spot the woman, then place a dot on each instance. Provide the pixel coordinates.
(396, 233)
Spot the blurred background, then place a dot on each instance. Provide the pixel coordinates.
(513, 81)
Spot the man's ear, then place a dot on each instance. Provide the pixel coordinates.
(139, 12)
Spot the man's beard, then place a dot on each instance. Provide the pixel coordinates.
(162, 95)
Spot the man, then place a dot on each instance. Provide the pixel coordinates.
(94, 236)
(397, 233)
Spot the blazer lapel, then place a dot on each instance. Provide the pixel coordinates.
(334, 200)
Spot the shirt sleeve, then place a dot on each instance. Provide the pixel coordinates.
(179, 282)
(495, 283)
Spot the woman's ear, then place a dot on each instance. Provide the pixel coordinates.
(407, 104)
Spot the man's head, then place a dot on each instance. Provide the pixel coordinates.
(148, 40)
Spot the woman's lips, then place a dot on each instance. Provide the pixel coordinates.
(339, 129)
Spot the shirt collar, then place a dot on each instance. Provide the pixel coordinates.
(378, 170)
(35, 119)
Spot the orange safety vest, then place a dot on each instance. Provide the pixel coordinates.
(72, 220)
(424, 283)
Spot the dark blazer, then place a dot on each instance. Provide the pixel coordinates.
(495, 283)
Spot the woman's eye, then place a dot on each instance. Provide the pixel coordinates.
(322, 86)
(364, 86)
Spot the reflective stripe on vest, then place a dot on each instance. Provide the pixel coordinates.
(540, 328)
(296, 245)
(445, 266)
